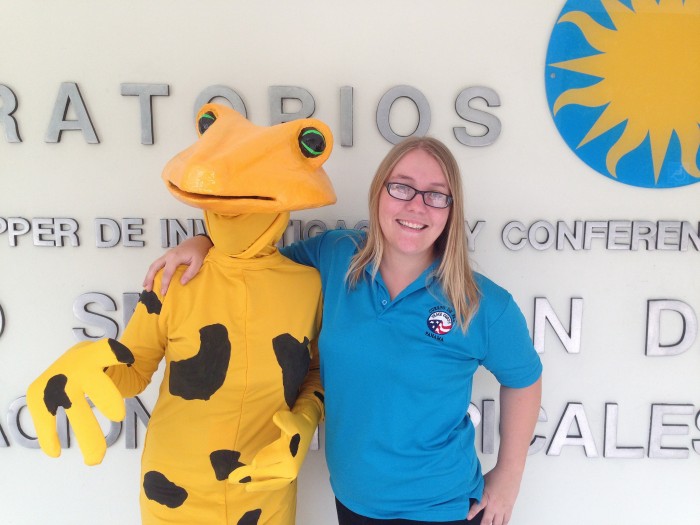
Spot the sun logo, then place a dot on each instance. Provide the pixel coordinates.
(623, 85)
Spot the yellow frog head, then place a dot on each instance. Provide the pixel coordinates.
(248, 178)
(237, 167)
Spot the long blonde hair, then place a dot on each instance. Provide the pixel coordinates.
(454, 273)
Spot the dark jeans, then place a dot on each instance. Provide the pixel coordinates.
(348, 517)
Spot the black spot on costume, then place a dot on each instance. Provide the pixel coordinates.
(293, 357)
(199, 377)
(161, 490)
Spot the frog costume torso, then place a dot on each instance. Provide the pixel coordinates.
(241, 386)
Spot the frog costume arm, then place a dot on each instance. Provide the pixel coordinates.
(146, 336)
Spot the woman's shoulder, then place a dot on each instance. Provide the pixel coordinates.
(493, 297)
(341, 233)
(341, 239)
(326, 248)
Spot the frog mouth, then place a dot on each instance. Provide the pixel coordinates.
(201, 197)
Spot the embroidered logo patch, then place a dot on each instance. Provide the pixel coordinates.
(440, 322)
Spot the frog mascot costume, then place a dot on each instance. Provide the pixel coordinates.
(241, 395)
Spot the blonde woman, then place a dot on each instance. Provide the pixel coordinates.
(406, 324)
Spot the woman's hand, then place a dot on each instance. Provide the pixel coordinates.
(519, 410)
(191, 253)
(500, 492)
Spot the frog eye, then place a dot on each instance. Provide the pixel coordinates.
(311, 142)
(205, 121)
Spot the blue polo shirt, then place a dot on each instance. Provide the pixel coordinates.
(398, 381)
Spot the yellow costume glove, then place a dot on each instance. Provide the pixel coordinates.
(77, 373)
(278, 464)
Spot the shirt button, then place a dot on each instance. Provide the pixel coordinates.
(384, 302)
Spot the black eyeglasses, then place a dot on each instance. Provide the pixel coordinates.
(404, 192)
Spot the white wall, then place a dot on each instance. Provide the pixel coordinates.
(528, 174)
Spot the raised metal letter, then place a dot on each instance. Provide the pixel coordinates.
(146, 92)
(9, 106)
(550, 235)
(574, 413)
(218, 91)
(135, 411)
(505, 236)
(130, 228)
(314, 228)
(619, 231)
(4, 443)
(70, 94)
(115, 428)
(278, 94)
(384, 111)
(346, 116)
(15, 427)
(564, 234)
(657, 430)
(14, 423)
(488, 427)
(16, 226)
(544, 313)
(80, 309)
(472, 234)
(668, 235)
(610, 448)
(129, 302)
(474, 415)
(65, 228)
(538, 442)
(40, 230)
(689, 236)
(468, 113)
(688, 333)
(103, 239)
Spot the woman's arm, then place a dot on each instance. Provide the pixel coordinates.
(519, 411)
(191, 252)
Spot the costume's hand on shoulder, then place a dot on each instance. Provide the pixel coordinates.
(278, 464)
(191, 253)
(78, 373)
